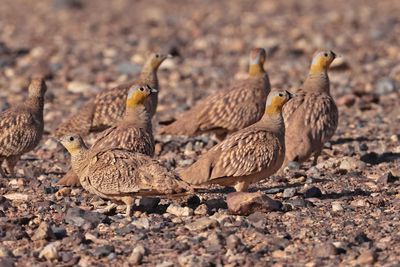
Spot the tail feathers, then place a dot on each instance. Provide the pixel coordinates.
(182, 126)
(70, 179)
(79, 123)
(199, 173)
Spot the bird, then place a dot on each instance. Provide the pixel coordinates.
(227, 111)
(311, 118)
(22, 126)
(107, 107)
(119, 174)
(133, 132)
(248, 155)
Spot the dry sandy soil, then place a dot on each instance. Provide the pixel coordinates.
(344, 211)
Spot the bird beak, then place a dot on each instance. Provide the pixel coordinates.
(153, 90)
(170, 56)
(291, 95)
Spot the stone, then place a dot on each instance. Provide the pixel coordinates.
(233, 242)
(300, 203)
(244, 203)
(17, 197)
(366, 257)
(385, 86)
(293, 165)
(103, 251)
(179, 211)
(166, 264)
(201, 224)
(44, 231)
(4, 204)
(325, 250)
(351, 164)
(216, 204)
(346, 100)
(141, 223)
(387, 178)
(5, 252)
(49, 252)
(201, 210)
(337, 206)
(361, 237)
(313, 192)
(148, 204)
(137, 255)
(289, 192)
(59, 232)
(79, 217)
(7, 262)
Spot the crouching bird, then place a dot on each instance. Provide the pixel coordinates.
(119, 174)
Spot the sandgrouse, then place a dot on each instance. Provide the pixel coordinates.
(108, 107)
(228, 110)
(133, 133)
(119, 174)
(247, 156)
(311, 118)
(21, 126)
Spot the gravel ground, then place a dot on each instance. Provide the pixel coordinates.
(344, 211)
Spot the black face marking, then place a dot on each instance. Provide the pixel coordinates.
(148, 87)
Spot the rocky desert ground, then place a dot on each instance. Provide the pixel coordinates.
(342, 212)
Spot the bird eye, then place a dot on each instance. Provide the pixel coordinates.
(280, 94)
(157, 55)
(71, 139)
(326, 54)
(141, 89)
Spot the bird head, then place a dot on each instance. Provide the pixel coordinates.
(322, 61)
(155, 60)
(37, 87)
(73, 143)
(275, 101)
(138, 94)
(256, 61)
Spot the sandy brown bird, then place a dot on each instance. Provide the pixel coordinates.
(119, 174)
(228, 110)
(21, 126)
(247, 156)
(108, 107)
(133, 133)
(311, 118)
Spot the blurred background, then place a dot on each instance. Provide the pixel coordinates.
(85, 46)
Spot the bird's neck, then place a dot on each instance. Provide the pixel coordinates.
(317, 81)
(35, 105)
(137, 115)
(273, 122)
(256, 69)
(149, 76)
(79, 159)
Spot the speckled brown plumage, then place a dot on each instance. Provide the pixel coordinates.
(121, 175)
(22, 126)
(247, 156)
(108, 107)
(133, 132)
(228, 110)
(311, 118)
